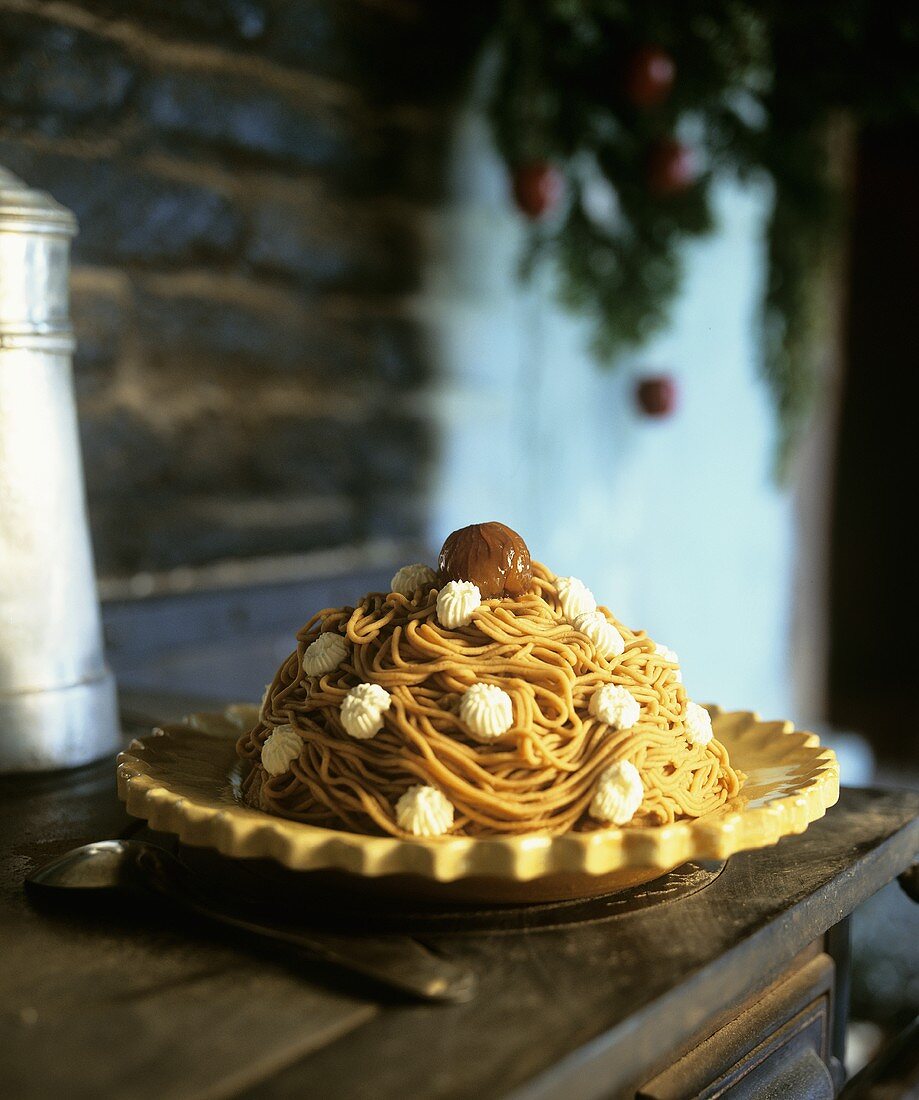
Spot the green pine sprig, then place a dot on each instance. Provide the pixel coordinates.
(756, 90)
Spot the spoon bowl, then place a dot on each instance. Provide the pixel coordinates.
(101, 865)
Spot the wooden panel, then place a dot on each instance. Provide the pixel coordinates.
(776, 1033)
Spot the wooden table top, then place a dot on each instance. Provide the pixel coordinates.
(109, 999)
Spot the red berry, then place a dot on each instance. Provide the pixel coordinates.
(538, 188)
(671, 167)
(649, 76)
(657, 395)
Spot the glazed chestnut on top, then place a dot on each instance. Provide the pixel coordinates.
(491, 556)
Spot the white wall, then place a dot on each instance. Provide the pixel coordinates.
(674, 523)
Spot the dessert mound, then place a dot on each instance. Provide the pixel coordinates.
(487, 697)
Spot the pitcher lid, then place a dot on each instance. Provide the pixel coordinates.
(26, 210)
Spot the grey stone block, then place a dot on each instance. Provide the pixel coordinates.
(246, 330)
(397, 350)
(122, 452)
(211, 453)
(229, 112)
(397, 515)
(319, 455)
(250, 338)
(299, 239)
(99, 317)
(52, 72)
(183, 325)
(327, 36)
(395, 451)
(126, 540)
(127, 213)
(229, 21)
(326, 244)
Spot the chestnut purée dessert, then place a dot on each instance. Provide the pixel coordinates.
(489, 697)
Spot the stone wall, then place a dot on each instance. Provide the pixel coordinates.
(253, 180)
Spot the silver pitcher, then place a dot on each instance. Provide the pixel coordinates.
(57, 697)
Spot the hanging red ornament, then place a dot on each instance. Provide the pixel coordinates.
(649, 76)
(671, 167)
(538, 188)
(657, 395)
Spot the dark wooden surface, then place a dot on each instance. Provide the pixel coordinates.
(104, 1000)
(108, 1000)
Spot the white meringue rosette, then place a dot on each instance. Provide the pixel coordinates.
(614, 705)
(281, 749)
(668, 655)
(325, 654)
(457, 602)
(424, 811)
(575, 597)
(410, 578)
(487, 711)
(362, 710)
(606, 639)
(698, 724)
(618, 794)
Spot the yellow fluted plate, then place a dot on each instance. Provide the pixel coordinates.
(186, 780)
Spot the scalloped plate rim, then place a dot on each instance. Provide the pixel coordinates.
(243, 832)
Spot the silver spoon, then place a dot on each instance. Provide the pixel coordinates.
(134, 867)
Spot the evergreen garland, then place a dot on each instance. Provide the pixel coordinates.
(583, 88)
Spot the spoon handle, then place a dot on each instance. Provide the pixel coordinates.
(399, 962)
